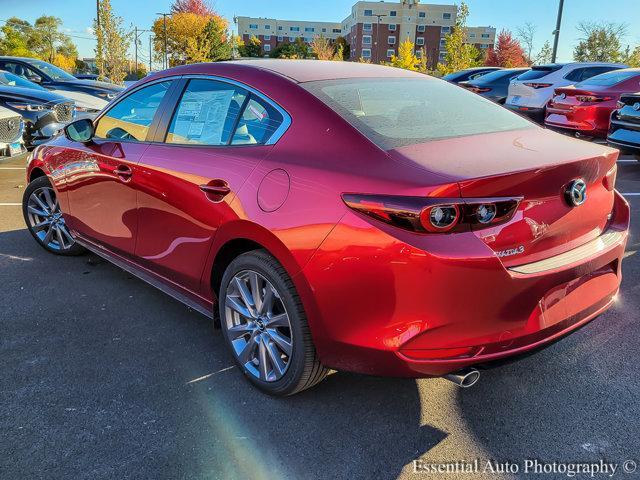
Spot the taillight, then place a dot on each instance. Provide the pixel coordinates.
(482, 89)
(434, 215)
(537, 85)
(592, 98)
(609, 180)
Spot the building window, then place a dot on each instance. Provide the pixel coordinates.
(419, 53)
(253, 26)
(420, 41)
(421, 14)
(307, 39)
(421, 28)
(485, 35)
(392, 40)
(442, 42)
(445, 30)
(484, 46)
(336, 30)
(390, 53)
(442, 56)
(267, 37)
(366, 27)
(324, 30)
(309, 29)
(291, 39)
(392, 13)
(368, 13)
(267, 48)
(472, 35)
(280, 38)
(267, 27)
(294, 29)
(392, 27)
(446, 16)
(366, 53)
(279, 27)
(366, 39)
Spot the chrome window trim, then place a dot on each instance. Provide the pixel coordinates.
(286, 118)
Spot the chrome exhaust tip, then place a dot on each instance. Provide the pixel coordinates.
(464, 378)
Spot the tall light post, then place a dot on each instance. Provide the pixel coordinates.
(378, 16)
(164, 20)
(556, 32)
(136, 36)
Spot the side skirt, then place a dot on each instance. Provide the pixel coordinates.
(163, 284)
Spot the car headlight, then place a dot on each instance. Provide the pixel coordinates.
(30, 107)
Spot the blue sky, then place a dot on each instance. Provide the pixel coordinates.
(78, 15)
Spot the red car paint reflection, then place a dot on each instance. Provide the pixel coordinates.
(383, 294)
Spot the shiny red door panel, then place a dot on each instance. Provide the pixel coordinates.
(178, 217)
(102, 201)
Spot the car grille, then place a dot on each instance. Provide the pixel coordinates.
(64, 111)
(10, 129)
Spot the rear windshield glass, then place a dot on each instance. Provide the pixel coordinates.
(497, 76)
(610, 78)
(394, 112)
(539, 72)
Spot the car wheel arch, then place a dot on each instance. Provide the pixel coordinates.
(36, 172)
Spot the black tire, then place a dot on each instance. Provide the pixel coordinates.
(53, 245)
(304, 369)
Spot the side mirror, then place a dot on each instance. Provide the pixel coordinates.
(80, 131)
(35, 78)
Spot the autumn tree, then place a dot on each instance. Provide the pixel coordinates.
(14, 38)
(199, 7)
(112, 44)
(507, 53)
(252, 48)
(458, 54)
(406, 57)
(298, 49)
(601, 42)
(44, 39)
(321, 48)
(343, 46)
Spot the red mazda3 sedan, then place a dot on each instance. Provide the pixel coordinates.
(339, 216)
(585, 108)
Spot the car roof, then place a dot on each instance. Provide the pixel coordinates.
(22, 59)
(580, 64)
(312, 70)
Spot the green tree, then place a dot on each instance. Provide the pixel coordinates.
(217, 38)
(600, 42)
(459, 55)
(346, 48)
(632, 57)
(112, 44)
(252, 48)
(14, 39)
(297, 49)
(544, 55)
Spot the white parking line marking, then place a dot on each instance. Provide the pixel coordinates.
(627, 161)
(10, 204)
(631, 194)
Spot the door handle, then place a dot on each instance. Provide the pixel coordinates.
(216, 190)
(123, 172)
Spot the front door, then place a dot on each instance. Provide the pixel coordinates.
(101, 176)
(215, 138)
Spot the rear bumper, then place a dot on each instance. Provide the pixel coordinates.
(388, 308)
(536, 114)
(590, 121)
(625, 136)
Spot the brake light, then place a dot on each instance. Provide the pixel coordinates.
(609, 180)
(592, 98)
(537, 85)
(434, 215)
(482, 89)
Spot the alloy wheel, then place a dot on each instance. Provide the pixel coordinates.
(258, 326)
(46, 221)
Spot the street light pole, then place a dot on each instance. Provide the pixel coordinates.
(150, 51)
(378, 16)
(556, 32)
(164, 19)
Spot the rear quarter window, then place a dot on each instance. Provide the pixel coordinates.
(396, 112)
(539, 72)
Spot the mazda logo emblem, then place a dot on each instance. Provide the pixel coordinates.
(636, 106)
(11, 124)
(576, 192)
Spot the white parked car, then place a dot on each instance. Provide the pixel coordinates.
(530, 92)
(11, 129)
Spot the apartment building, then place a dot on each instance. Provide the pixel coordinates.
(373, 29)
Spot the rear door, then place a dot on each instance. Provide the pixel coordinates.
(206, 148)
(101, 176)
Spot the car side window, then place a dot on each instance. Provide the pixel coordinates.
(131, 117)
(257, 124)
(207, 113)
(593, 71)
(17, 69)
(575, 75)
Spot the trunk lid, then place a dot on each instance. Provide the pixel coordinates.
(536, 165)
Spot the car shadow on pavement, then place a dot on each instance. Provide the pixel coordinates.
(105, 377)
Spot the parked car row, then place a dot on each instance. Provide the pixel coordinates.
(592, 100)
(44, 98)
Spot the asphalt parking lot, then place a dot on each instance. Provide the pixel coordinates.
(102, 376)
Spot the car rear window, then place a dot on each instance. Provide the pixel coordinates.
(539, 72)
(498, 76)
(609, 79)
(395, 112)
